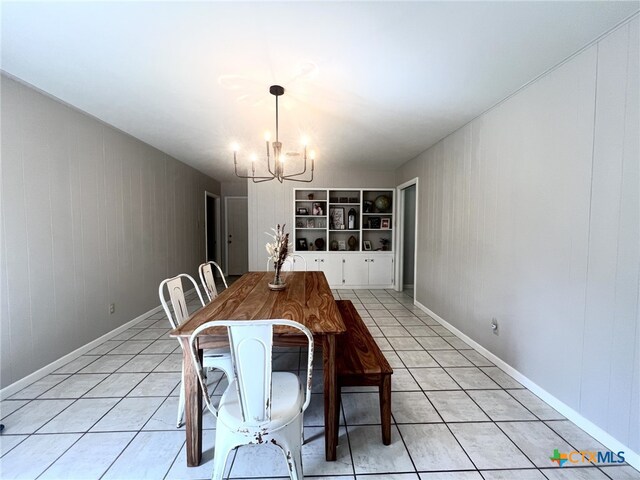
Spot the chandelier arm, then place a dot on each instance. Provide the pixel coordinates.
(235, 168)
(298, 179)
(304, 170)
(269, 166)
(262, 179)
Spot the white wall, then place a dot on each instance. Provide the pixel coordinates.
(271, 203)
(90, 216)
(530, 214)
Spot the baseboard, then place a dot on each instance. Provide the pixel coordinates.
(61, 362)
(631, 457)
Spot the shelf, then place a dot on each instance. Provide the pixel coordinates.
(330, 199)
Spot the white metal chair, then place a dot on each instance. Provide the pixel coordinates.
(290, 263)
(259, 406)
(208, 279)
(218, 358)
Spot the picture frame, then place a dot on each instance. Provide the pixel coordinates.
(385, 223)
(342, 245)
(318, 209)
(337, 218)
(366, 245)
(374, 222)
(300, 223)
(302, 211)
(311, 223)
(301, 244)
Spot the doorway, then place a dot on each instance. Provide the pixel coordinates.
(212, 227)
(236, 226)
(408, 237)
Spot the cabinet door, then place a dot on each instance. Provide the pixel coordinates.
(381, 269)
(313, 262)
(331, 265)
(356, 269)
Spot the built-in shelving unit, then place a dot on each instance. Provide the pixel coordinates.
(340, 231)
(343, 220)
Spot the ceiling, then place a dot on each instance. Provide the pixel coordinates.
(372, 84)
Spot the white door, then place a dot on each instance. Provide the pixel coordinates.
(237, 237)
(381, 269)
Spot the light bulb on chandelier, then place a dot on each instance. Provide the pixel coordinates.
(277, 172)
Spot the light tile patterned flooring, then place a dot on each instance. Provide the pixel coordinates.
(110, 414)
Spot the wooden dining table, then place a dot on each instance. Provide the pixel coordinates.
(307, 299)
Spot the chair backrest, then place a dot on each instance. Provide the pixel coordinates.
(207, 278)
(175, 289)
(295, 262)
(251, 343)
(289, 264)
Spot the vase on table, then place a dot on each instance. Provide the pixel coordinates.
(278, 283)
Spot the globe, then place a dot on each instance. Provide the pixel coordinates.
(382, 203)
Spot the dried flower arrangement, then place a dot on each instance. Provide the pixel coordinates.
(278, 251)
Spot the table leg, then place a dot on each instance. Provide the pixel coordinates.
(330, 397)
(192, 407)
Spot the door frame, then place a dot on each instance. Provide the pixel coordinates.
(400, 237)
(216, 208)
(226, 229)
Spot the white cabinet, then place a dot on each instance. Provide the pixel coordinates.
(368, 270)
(354, 270)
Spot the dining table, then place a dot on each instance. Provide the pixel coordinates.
(307, 299)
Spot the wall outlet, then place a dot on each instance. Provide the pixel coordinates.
(112, 308)
(494, 325)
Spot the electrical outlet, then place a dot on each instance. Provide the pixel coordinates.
(112, 308)
(494, 325)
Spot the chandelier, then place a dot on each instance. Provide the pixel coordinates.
(277, 172)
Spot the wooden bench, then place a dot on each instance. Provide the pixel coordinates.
(360, 362)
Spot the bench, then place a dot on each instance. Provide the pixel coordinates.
(360, 362)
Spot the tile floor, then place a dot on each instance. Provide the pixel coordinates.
(110, 414)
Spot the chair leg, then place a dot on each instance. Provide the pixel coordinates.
(288, 441)
(385, 408)
(181, 403)
(224, 444)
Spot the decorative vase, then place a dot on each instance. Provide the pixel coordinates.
(278, 283)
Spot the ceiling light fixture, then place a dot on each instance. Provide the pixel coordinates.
(277, 172)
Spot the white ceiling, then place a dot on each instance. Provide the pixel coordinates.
(371, 83)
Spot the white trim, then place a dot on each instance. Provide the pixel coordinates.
(399, 247)
(631, 457)
(216, 207)
(62, 361)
